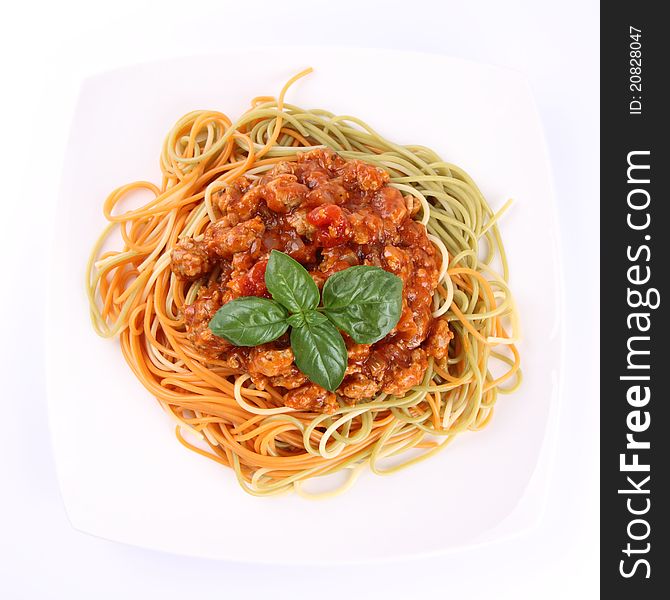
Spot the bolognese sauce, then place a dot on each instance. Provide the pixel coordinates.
(329, 214)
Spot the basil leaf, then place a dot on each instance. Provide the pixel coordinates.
(314, 318)
(310, 316)
(296, 320)
(249, 321)
(366, 302)
(290, 284)
(320, 353)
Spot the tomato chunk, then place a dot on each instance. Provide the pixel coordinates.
(253, 283)
(333, 226)
(324, 215)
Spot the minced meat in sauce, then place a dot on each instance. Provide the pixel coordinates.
(329, 214)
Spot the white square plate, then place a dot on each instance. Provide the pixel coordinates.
(123, 474)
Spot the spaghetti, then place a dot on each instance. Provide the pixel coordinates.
(274, 448)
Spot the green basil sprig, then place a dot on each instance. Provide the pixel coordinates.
(320, 352)
(290, 284)
(366, 302)
(250, 321)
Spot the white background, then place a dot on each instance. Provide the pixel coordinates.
(45, 50)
